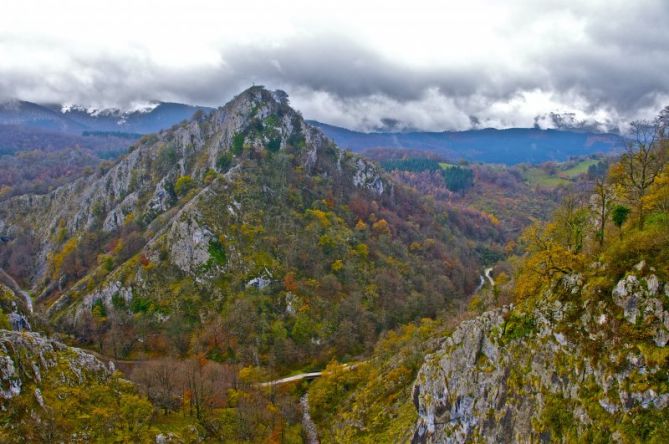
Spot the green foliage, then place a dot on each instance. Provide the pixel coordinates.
(296, 139)
(217, 252)
(183, 185)
(274, 144)
(415, 164)
(224, 161)
(619, 215)
(118, 302)
(237, 144)
(519, 326)
(167, 158)
(98, 308)
(140, 305)
(557, 418)
(272, 121)
(458, 178)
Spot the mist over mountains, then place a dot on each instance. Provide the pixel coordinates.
(27, 125)
(77, 119)
(507, 146)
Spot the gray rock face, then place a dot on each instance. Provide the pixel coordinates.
(641, 301)
(366, 176)
(105, 294)
(25, 359)
(494, 379)
(189, 243)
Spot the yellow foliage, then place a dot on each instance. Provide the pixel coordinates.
(502, 279)
(322, 217)
(658, 195)
(129, 218)
(61, 232)
(476, 304)
(381, 227)
(252, 374)
(337, 265)
(250, 232)
(362, 250)
(58, 258)
(546, 258)
(361, 225)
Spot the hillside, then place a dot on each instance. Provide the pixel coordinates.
(579, 356)
(507, 146)
(509, 197)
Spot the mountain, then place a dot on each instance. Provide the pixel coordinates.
(32, 115)
(507, 146)
(69, 141)
(15, 139)
(153, 118)
(243, 245)
(77, 119)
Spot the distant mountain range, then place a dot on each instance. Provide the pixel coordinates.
(507, 146)
(77, 119)
(25, 125)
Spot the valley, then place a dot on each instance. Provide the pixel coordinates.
(238, 277)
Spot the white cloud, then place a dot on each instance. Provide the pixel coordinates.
(428, 63)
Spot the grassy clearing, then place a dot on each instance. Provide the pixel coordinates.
(579, 168)
(563, 174)
(539, 177)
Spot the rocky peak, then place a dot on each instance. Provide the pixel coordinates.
(208, 153)
(142, 183)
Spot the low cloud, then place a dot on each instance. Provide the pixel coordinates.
(614, 68)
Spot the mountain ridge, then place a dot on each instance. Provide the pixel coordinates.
(77, 119)
(507, 146)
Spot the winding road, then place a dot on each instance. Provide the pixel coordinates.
(293, 378)
(302, 376)
(487, 272)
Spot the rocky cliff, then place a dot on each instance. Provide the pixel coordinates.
(50, 392)
(573, 365)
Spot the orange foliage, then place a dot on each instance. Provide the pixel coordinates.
(289, 282)
(381, 227)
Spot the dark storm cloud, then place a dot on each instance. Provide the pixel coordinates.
(619, 67)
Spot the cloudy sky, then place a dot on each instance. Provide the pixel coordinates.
(361, 64)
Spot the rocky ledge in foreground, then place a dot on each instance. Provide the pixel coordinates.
(29, 361)
(565, 368)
